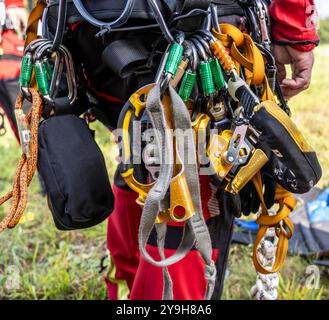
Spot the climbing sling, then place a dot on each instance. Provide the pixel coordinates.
(252, 61)
(195, 230)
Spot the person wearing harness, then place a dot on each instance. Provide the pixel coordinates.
(130, 275)
(219, 54)
(294, 34)
(17, 14)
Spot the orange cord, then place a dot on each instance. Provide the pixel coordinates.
(26, 166)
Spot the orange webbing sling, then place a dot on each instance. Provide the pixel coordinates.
(245, 53)
(32, 24)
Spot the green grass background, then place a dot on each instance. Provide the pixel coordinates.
(65, 265)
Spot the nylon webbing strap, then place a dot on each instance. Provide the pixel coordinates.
(284, 227)
(157, 194)
(197, 224)
(161, 230)
(245, 53)
(195, 229)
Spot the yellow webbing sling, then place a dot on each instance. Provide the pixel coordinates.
(245, 53)
(34, 18)
(284, 227)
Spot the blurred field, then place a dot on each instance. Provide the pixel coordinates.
(65, 265)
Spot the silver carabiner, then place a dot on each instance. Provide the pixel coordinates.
(263, 17)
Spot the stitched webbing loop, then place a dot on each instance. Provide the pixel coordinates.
(284, 227)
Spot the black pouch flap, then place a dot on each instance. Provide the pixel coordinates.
(73, 169)
(296, 165)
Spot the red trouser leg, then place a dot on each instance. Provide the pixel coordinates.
(122, 240)
(144, 280)
(187, 276)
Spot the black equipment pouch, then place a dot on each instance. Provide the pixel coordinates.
(74, 172)
(296, 166)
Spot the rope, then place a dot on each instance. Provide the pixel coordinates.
(27, 164)
(281, 223)
(266, 287)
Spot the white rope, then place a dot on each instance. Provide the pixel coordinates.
(266, 287)
(151, 154)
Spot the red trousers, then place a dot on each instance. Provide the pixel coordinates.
(130, 275)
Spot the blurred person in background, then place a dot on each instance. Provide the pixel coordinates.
(13, 21)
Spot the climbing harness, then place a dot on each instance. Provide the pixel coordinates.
(235, 155)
